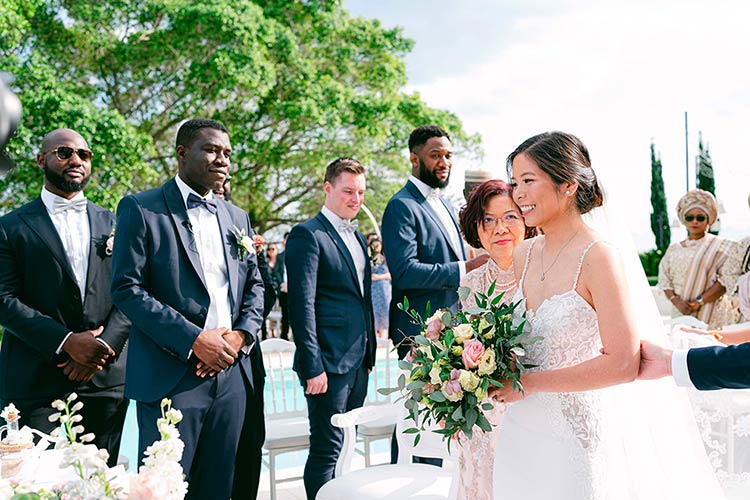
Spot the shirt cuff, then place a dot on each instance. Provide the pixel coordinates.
(680, 368)
(60, 347)
(461, 270)
(105, 344)
(248, 348)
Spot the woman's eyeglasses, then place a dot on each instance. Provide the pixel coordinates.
(490, 222)
(699, 218)
(64, 153)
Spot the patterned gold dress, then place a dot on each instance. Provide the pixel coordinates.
(692, 266)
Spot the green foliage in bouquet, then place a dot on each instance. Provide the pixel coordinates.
(457, 359)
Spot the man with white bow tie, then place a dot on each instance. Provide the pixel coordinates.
(62, 333)
(330, 312)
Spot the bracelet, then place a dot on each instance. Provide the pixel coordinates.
(671, 299)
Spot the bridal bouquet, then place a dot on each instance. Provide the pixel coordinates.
(455, 361)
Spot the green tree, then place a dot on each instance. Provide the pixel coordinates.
(297, 83)
(659, 214)
(704, 169)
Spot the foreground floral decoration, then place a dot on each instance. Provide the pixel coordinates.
(457, 359)
(160, 476)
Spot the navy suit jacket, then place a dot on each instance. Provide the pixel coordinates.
(422, 262)
(331, 318)
(713, 368)
(40, 302)
(158, 283)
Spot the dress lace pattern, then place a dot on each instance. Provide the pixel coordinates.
(573, 421)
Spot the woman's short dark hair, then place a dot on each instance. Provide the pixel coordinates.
(565, 159)
(475, 209)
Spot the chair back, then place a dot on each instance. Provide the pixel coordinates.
(431, 444)
(687, 321)
(384, 373)
(662, 302)
(736, 326)
(284, 395)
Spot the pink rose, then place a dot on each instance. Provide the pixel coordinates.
(434, 328)
(472, 353)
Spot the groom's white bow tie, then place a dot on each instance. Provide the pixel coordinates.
(62, 205)
(348, 225)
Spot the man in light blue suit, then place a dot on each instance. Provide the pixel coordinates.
(330, 312)
(192, 290)
(421, 238)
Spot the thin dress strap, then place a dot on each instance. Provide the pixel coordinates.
(526, 264)
(580, 263)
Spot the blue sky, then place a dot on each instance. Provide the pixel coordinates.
(617, 74)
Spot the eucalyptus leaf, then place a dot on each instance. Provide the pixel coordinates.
(437, 396)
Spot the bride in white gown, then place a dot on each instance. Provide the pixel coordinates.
(579, 431)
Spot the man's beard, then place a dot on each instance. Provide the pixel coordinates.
(60, 183)
(430, 178)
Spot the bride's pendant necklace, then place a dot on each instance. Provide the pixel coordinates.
(544, 271)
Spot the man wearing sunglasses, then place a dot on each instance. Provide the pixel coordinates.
(62, 333)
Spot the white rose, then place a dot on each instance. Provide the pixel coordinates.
(463, 333)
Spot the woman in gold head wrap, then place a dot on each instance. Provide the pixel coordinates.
(691, 273)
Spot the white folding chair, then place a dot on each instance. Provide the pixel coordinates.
(662, 302)
(401, 481)
(736, 326)
(384, 374)
(287, 426)
(687, 321)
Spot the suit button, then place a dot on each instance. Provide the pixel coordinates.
(77, 296)
(204, 311)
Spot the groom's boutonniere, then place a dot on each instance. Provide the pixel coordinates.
(243, 241)
(110, 243)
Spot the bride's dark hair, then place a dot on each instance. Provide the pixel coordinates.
(565, 159)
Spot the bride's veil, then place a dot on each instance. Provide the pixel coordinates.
(660, 454)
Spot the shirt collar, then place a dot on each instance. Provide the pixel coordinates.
(334, 219)
(186, 190)
(423, 188)
(48, 198)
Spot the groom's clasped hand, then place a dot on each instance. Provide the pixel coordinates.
(216, 350)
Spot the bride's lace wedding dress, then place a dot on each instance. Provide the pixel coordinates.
(584, 445)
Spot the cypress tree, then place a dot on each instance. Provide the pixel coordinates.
(704, 169)
(659, 215)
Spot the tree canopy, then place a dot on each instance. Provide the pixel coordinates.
(297, 83)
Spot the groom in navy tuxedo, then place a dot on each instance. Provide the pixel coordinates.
(330, 312)
(190, 285)
(704, 368)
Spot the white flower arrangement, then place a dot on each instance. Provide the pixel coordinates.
(159, 478)
(161, 474)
